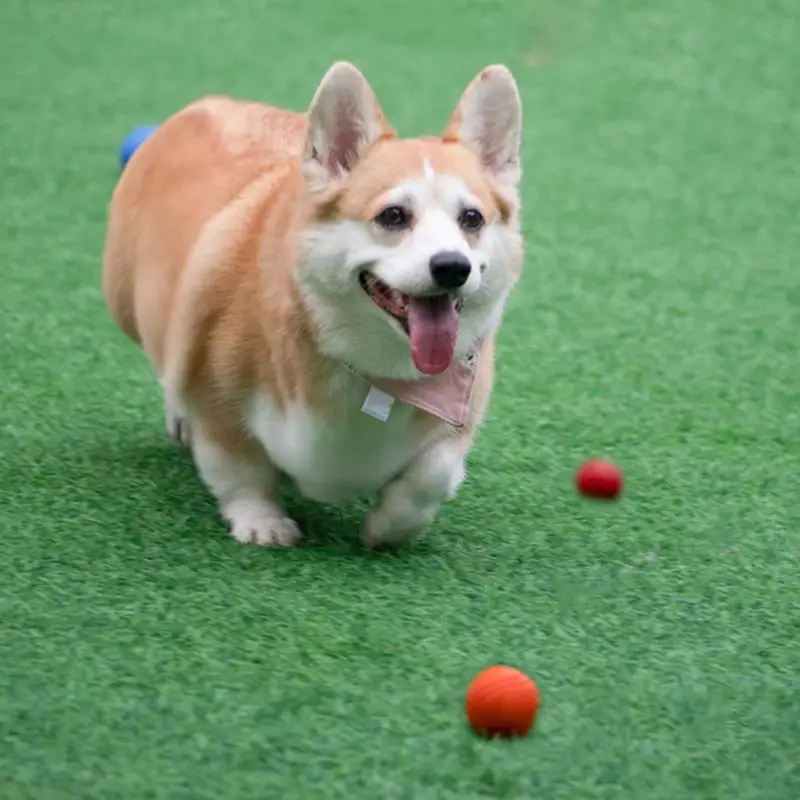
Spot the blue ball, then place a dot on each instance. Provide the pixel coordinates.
(132, 141)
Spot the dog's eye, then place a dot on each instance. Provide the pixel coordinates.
(470, 219)
(394, 218)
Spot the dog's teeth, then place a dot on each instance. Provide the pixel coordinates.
(400, 300)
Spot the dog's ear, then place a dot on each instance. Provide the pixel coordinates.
(344, 121)
(488, 119)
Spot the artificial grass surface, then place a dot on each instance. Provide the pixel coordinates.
(144, 654)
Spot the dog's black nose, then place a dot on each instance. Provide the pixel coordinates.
(450, 269)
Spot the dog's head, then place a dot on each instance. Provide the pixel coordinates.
(412, 244)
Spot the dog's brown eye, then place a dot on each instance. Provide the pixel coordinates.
(394, 218)
(470, 219)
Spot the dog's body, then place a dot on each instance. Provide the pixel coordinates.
(274, 266)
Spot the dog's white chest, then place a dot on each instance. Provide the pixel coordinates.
(329, 461)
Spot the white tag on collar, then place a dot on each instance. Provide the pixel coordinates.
(378, 404)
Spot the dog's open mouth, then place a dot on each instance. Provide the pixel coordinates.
(431, 322)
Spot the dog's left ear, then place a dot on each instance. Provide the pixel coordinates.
(488, 119)
(344, 121)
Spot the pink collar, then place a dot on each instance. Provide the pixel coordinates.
(446, 396)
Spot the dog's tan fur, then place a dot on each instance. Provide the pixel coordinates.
(200, 268)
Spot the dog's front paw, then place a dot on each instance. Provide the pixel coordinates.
(260, 526)
(382, 530)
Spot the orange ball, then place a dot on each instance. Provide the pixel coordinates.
(502, 701)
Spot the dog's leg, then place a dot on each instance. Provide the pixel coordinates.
(176, 421)
(409, 503)
(239, 474)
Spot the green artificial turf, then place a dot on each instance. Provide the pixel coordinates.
(145, 654)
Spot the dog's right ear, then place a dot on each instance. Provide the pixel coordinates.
(344, 121)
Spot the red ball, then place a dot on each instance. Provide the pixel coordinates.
(502, 701)
(600, 479)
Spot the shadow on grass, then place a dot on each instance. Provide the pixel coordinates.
(138, 483)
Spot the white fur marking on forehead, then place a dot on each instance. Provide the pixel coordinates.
(434, 189)
(428, 171)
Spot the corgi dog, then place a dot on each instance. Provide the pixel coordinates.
(319, 298)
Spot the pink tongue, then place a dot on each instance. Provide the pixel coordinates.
(432, 325)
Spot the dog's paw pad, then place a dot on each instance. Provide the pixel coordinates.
(266, 531)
